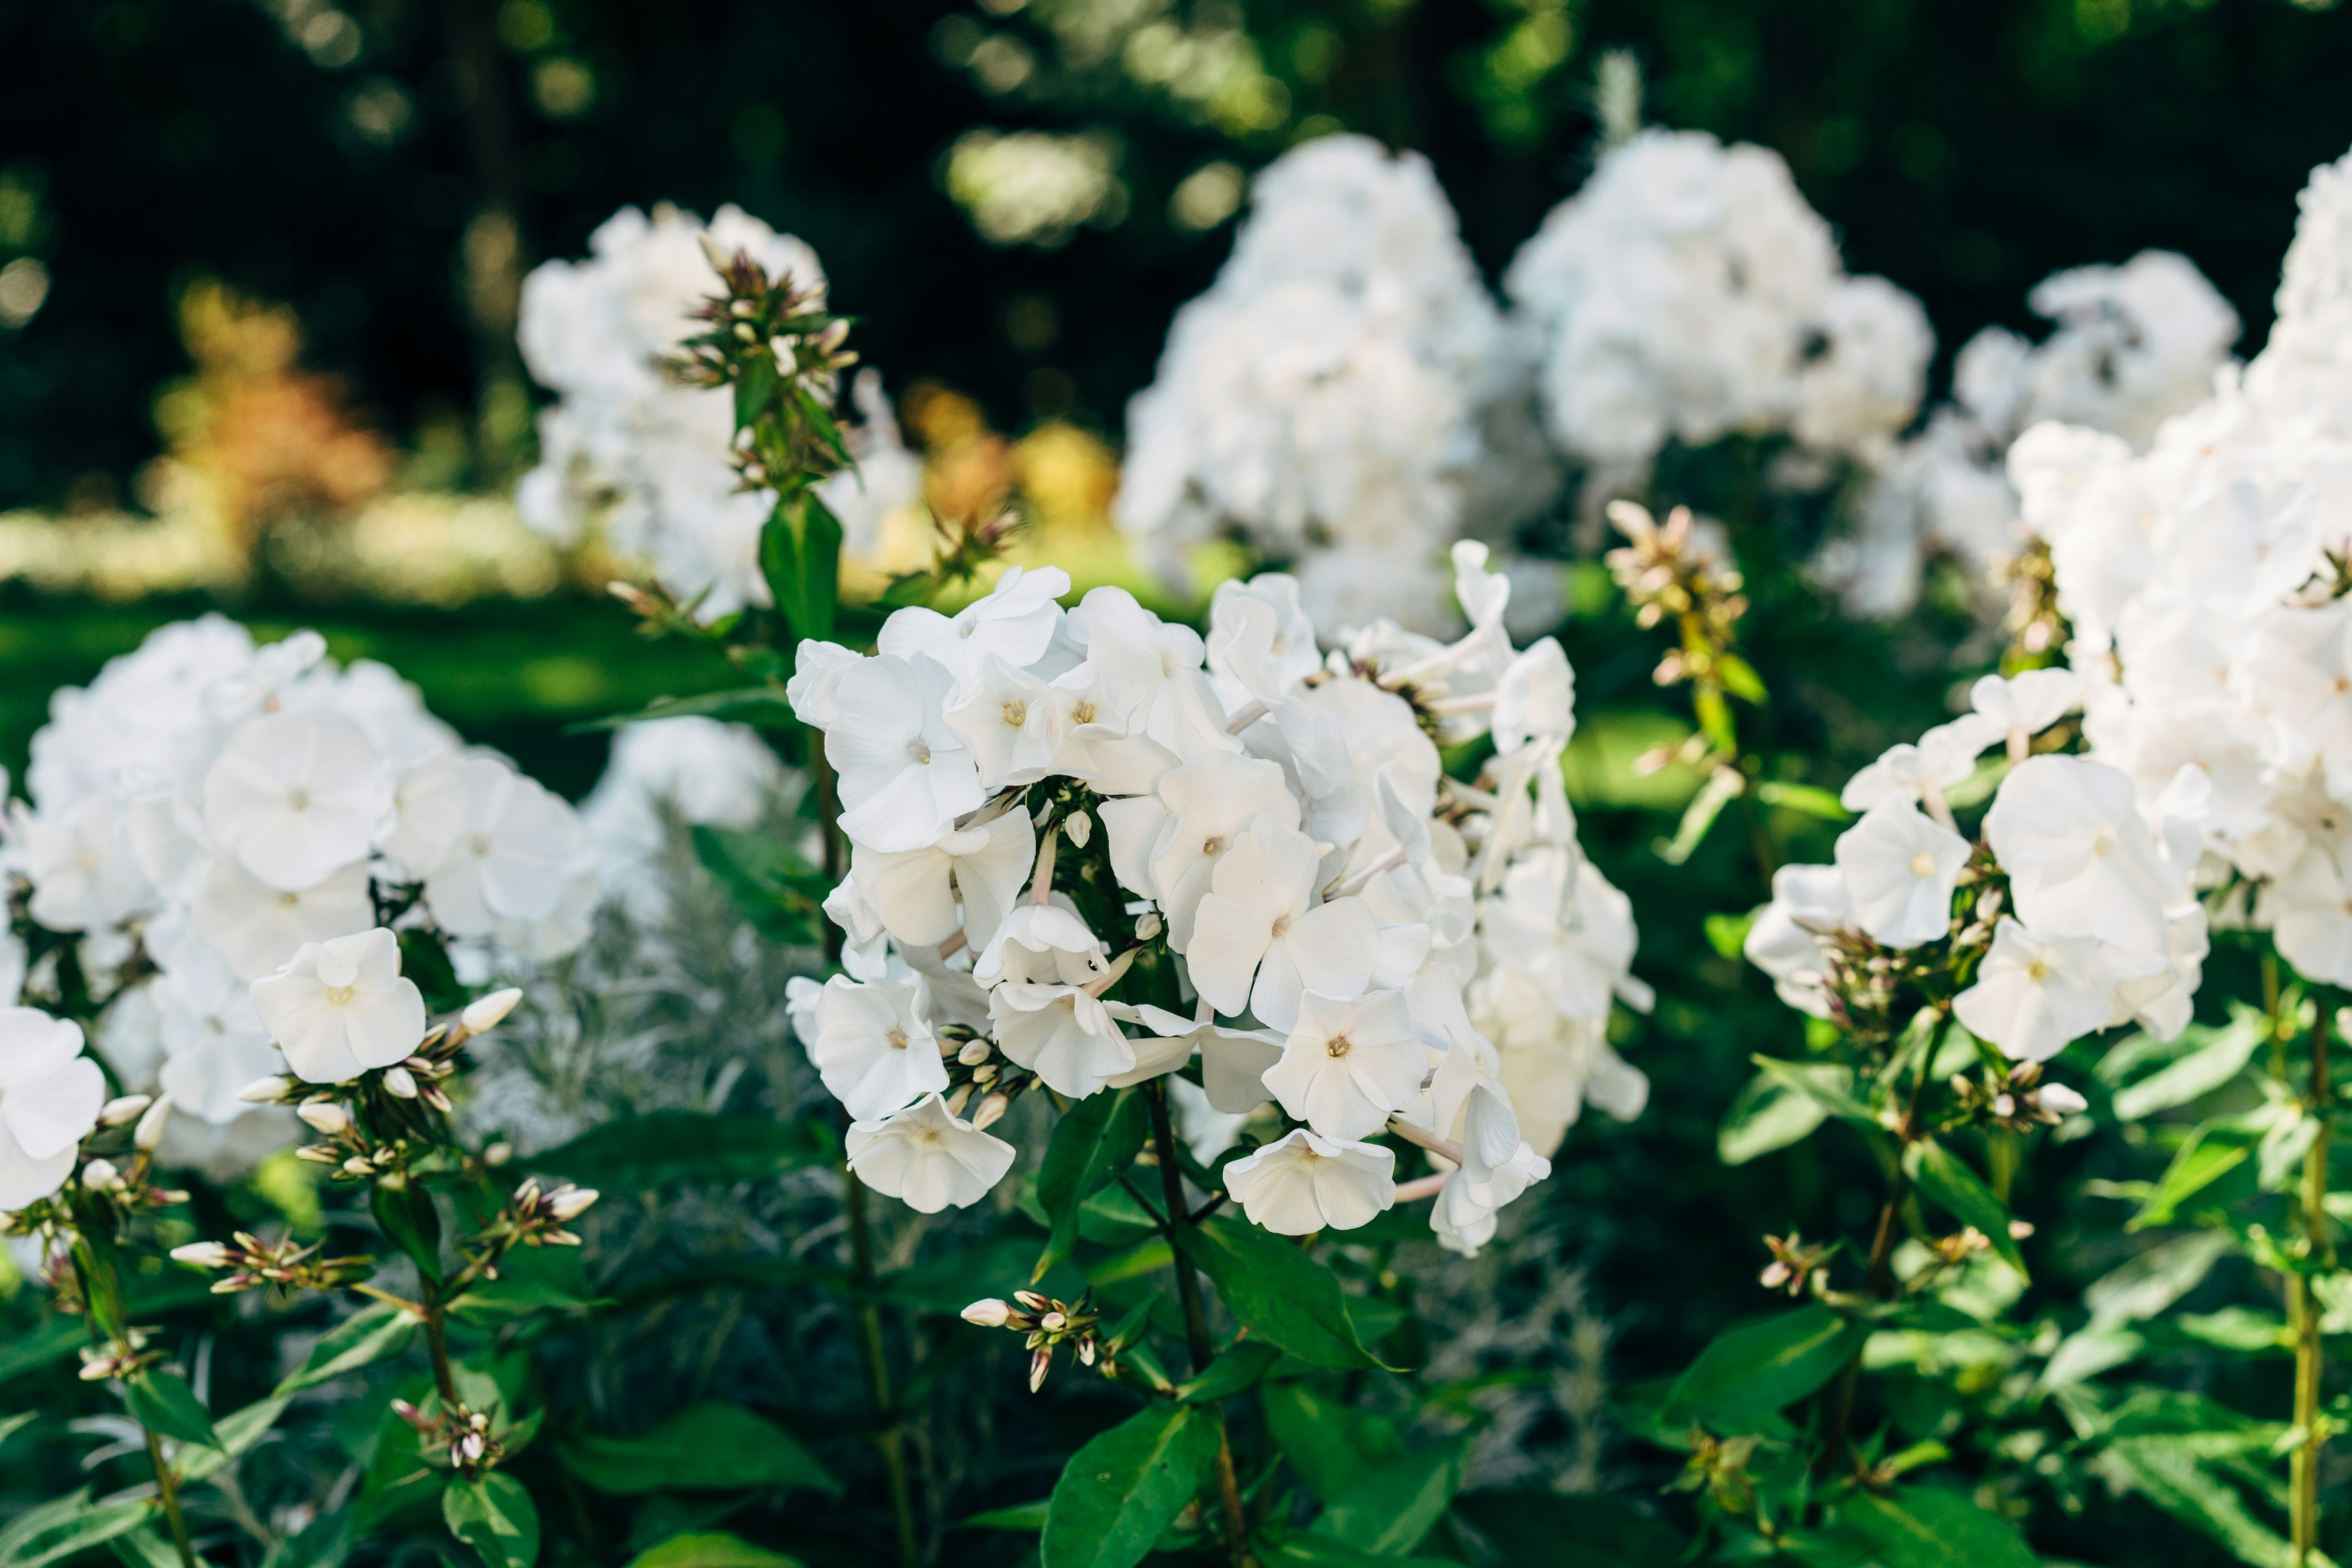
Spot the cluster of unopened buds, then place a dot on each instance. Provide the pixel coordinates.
(1049, 1323)
(1953, 1250)
(536, 1215)
(285, 1265)
(1667, 570)
(976, 1068)
(1796, 1266)
(125, 1186)
(122, 1359)
(463, 1434)
(2014, 1098)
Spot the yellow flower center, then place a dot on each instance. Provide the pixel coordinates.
(1338, 1046)
(338, 994)
(1923, 864)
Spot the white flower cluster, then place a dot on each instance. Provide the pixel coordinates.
(2133, 346)
(2098, 926)
(2204, 581)
(1346, 396)
(1362, 941)
(633, 451)
(223, 804)
(1688, 292)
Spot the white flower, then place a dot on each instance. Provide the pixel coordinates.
(341, 1007)
(1261, 623)
(1042, 943)
(2080, 860)
(2029, 702)
(1900, 870)
(1261, 922)
(1944, 756)
(1307, 1182)
(814, 689)
(906, 775)
(926, 1158)
(1013, 622)
(1463, 1218)
(428, 805)
(1068, 1038)
(517, 859)
(875, 1048)
(2034, 994)
(49, 1099)
(1212, 798)
(1152, 672)
(1006, 716)
(213, 1040)
(255, 927)
(294, 797)
(915, 892)
(1809, 903)
(1350, 1064)
(1536, 697)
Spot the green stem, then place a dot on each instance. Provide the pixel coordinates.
(2304, 1474)
(888, 1439)
(436, 1343)
(167, 1487)
(95, 1273)
(1197, 1343)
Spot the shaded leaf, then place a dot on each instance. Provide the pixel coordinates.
(2196, 1075)
(1811, 799)
(1825, 1083)
(1926, 1527)
(1028, 1517)
(2144, 1286)
(770, 885)
(1127, 1485)
(1745, 1375)
(496, 1517)
(1768, 1113)
(409, 1220)
(1238, 1368)
(57, 1529)
(1387, 1511)
(639, 1154)
(761, 705)
(1328, 1442)
(2197, 1164)
(145, 1548)
(240, 1432)
(1722, 787)
(376, 1334)
(713, 1447)
(711, 1549)
(163, 1402)
(1528, 1528)
(1097, 1138)
(1278, 1292)
(1947, 1178)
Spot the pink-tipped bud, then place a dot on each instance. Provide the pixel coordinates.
(265, 1090)
(325, 1116)
(202, 1254)
(2019, 1229)
(1776, 1274)
(990, 1313)
(2004, 1105)
(1053, 1322)
(1040, 1363)
(570, 1203)
(990, 1109)
(2059, 1101)
(122, 1111)
(974, 1052)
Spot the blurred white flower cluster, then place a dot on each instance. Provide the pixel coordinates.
(699, 772)
(1346, 396)
(2095, 926)
(208, 808)
(630, 451)
(1688, 292)
(1088, 845)
(2205, 584)
(2133, 346)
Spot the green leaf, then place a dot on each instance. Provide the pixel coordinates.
(1722, 787)
(2196, 1075)
(640, 1153)
(410, 1222)
(1727, 934)
(1826, 1084)
(1328, 1442)
(1739, 677)
(2201, 1161)
(1528, 1528)
(163, 1402)
(376, 1334)
(1926, 1527)
(800, 554)
(761, 705)
(1387, 1511)
(1022, 1517)
(237, 1432)
(57, 1529)
(1811, 799)
(711, 1549)
(706, 1447)
(324, 1542)
(496, 1517)
(51, 1341)
(2144, 1286)
(2166, 1471)
(1238, 1368)
(13, 1424)
(1095, 1140)
(1127, 1485)
(1278, 1292)
(768, 882)
(1767, 1114)
(147, 1548)
(1740, 1382)
(1947, 1178)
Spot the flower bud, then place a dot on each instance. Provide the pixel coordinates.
(2019, 1229)
(399, 1083)
(265, 1090)
(570, 1203)
(1054, 1320)
(326, 1117)
(485, 1014)
(1080, 826)
(202, 1254)
(993, 1107)
(989, 1313)
(974, 1052)
(1148, 925)
(2061, 1100)
(100, 1175)
(497, 1154)
(147, 1136)
(2004, 1105)
(122, 1111)
(1775, 1275)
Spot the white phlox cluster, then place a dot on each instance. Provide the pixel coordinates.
(1346, 396)
(2132, 346)
(223, 808)
(628, 448)
(2204, 581)
(1259, 841)
(2097, 925)
(1688, 292)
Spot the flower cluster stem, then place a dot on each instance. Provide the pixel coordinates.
(888, 1440)
(1196, 1322)
(2304, 1474)
(167, 1487)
